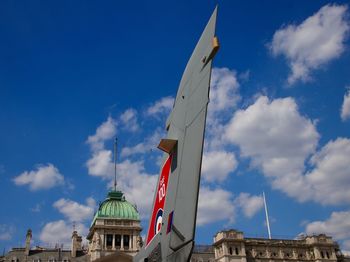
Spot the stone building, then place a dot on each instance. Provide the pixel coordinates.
(115, 227)
(114, 235)
(232, 246)
(115, 230)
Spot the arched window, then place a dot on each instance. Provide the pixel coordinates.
(327, 254)
(236, 249)
(230, 250)
(322, 255)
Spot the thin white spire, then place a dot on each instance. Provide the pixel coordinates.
(267, 216)
(115, 164)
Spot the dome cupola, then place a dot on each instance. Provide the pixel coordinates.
(116, 207)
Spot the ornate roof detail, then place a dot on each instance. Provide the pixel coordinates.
(116, 207)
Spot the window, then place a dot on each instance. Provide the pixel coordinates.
(126, 241)
(236, 249)
(327, 254)
(322, 255)
(109, 240)
(230, 250)
(118, 240)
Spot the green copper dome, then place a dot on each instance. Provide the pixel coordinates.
(116, 207)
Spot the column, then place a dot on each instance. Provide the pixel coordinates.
(113, 242)
(243, 249)
(224, 246)
(135, 241)
(102, 241)
(122, 243)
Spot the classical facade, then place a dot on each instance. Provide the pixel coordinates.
(115, 227)
(232, 246)
(115, 230)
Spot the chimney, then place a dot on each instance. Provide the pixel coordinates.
(28, 239)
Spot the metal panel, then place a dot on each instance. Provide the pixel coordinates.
(186, 125)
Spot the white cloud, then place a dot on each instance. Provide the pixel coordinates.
(345, 109)
(44, 177)
(274, 134)
(279, 141)
(139, 148)
(330, 179)
(209, 211)
(223, 90)
(129, 120)
(132, 178)
(217, 165)
(137, 185)
(105, 131)
(249, 204)
(6, 232)
(74, 211)
(337, 226)
(150, 143)
(224, 96)
(60, 232)
(100, 164)
(162, 106)
(346, 252)
(313, 43)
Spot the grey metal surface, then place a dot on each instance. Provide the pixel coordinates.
(185, 124)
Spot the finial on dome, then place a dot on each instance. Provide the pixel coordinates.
(117, 195)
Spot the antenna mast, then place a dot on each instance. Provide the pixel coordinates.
(267, 216)
(115, 164)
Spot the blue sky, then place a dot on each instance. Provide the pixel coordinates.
(73, 75)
